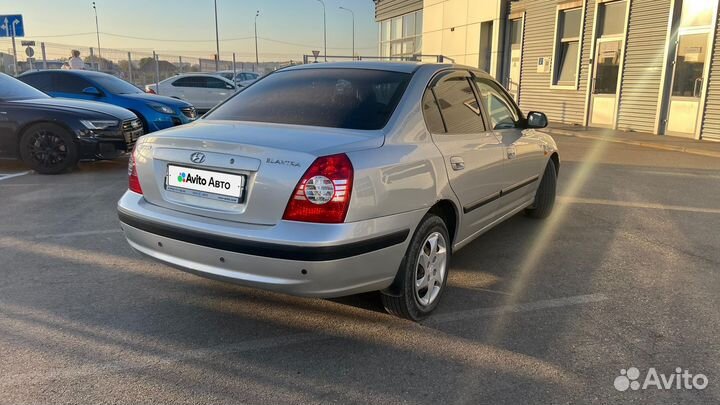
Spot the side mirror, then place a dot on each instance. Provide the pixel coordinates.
(92, 91)
(536, 119)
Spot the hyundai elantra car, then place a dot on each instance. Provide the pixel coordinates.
(333, 179)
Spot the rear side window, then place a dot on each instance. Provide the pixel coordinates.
(190, 81)
(325, 97)
(458, 105)
(40, 81)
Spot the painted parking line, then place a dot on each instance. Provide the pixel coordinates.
(79, 233)
(517, 308)
(16, 317)
(6, 176)
(633, 204)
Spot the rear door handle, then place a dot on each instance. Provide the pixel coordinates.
(457, 163)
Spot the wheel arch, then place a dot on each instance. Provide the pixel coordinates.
(141, 117)
(23, 128)
(448, 212)
(555, 158)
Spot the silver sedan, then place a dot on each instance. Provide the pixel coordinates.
(333, 179)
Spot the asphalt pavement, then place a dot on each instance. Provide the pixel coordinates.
(624, 274)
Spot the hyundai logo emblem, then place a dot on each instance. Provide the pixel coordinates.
(197, 157)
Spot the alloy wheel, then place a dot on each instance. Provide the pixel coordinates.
(430, 269)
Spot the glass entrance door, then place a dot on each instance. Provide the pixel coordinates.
(604, 92)
(687, 84)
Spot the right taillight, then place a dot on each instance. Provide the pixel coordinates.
(323, 193)
(133, 180)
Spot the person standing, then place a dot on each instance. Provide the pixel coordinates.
(75, 62)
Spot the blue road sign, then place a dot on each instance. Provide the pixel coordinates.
(10, 24)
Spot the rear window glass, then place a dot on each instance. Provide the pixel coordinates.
(336, 98)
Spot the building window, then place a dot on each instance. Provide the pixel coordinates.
(486, 35)
(401, 37)
(611, 18)
(567, 47)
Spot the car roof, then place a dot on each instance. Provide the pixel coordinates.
(401, 67)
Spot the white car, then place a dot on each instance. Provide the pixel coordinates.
(202, 90)
(242, 79)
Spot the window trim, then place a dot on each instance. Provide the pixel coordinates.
(560, 8)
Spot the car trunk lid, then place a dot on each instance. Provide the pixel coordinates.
(265, 161)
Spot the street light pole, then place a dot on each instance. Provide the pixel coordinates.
(324, 29)
(257, 59)
(97, 31)
(217, 41)
(353, 29)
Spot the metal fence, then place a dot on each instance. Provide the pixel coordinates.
(140, 67)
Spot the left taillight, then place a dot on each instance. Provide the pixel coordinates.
(133, 180)
(323, 194)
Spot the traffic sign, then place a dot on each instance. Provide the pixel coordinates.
(29, 52)
(11, 26)
(27, 43)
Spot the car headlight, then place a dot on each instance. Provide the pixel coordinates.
(98, 124)
(162, 108)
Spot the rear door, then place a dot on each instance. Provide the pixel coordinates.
(473, 156)
(524, 155)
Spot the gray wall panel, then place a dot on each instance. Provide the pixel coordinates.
(564, 106)
(385, 9)
(644, 59)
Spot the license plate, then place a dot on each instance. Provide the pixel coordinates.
(205, 183)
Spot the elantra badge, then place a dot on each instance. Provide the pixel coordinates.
(197, 157)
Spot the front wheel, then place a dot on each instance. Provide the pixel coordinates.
(423, 271)
(545, 194)
(48, 149)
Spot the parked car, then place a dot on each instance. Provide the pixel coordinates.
(242, 79)
(156, 113)
(203, 90)
(51, 134)
(339, 178)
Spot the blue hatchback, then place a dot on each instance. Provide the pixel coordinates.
(156, 112)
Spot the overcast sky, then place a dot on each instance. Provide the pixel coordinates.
(286, 28)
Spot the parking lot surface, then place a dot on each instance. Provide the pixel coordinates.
(625, 273)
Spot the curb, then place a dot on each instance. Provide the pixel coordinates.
(692, 151)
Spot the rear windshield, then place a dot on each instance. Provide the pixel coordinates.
(336, 98)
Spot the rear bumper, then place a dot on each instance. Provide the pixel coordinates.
(321, 260)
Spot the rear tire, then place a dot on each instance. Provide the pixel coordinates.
(423, 271)
(545, 195)
(48, 148)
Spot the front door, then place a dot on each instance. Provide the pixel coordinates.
(524, 157)
(604, 90)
